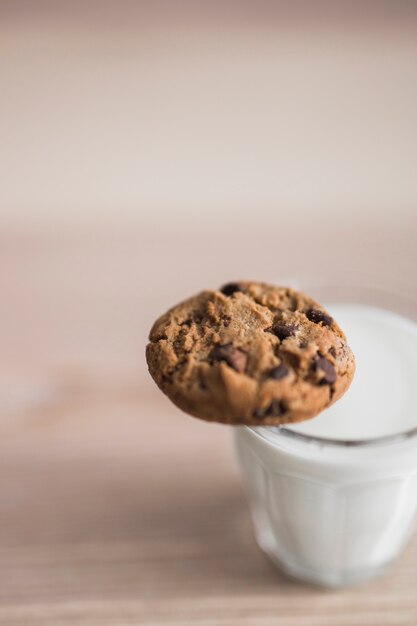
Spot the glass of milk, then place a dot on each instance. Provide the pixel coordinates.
(334, 499)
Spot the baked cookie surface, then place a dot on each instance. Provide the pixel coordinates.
(250, 353)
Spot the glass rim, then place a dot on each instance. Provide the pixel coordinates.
(328, 441)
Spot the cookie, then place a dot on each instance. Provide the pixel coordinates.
(250, 353)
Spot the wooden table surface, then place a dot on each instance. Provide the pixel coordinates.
(115, 508)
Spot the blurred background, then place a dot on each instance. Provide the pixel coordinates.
(152, 149)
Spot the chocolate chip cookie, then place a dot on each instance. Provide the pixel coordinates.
(250, 353)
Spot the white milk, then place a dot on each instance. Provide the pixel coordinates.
(332, 513)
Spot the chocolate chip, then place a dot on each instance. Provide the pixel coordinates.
(332, 351)
(230, 289)
(282, 331)
(328, 369)
(234, 357)
(279, 372)
(275, 409)
(317, 316)
(199, 316)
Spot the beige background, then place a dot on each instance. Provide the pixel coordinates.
(148, 151)
(193, 110)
